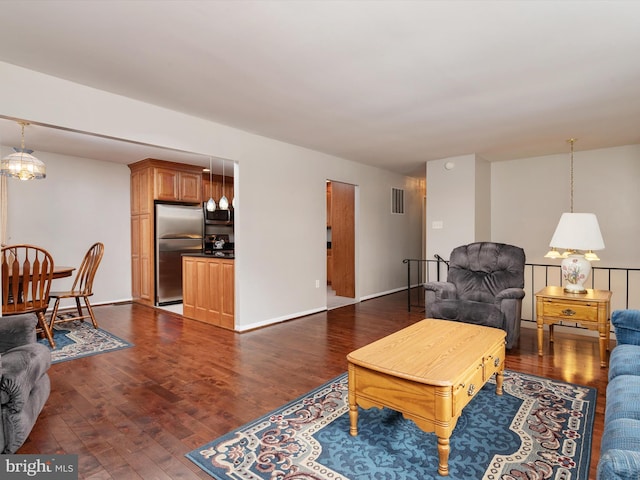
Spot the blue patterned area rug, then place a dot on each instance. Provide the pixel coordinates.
(539, 428)
(78, 339)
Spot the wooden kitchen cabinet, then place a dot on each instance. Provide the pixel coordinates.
(151, 180)
(218, 187)
(141, 258)
(141, 199)
(208, 290)
(172, 184)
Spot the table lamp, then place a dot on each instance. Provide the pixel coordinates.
(578, 234)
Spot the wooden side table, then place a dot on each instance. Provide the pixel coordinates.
(590, 309)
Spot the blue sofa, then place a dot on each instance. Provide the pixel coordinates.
(620, 447)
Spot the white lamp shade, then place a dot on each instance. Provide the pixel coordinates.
(578, 231)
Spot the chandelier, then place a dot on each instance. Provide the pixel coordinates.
(21, 164)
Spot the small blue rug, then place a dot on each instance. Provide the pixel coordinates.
(539, 428)
(78, 339)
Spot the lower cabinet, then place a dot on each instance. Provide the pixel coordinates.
(208, 290)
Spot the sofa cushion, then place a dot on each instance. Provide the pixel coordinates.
(627, 326)
(624, 360)
(620, 450)
(22, 367)
(479, 313)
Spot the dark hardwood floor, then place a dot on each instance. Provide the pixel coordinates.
(136, 412)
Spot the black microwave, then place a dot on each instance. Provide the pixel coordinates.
(218, 216)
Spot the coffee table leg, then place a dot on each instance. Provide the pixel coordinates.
(353, 419)
(443, 456)
(353, 406)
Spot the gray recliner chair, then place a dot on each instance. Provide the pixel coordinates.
(24, 383)
(485, 286)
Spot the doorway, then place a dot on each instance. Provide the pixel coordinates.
(341, 270)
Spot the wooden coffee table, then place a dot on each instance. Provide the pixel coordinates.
(429, 372)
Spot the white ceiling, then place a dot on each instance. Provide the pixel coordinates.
(387, 83)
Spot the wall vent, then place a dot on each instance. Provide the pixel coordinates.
(397, 201)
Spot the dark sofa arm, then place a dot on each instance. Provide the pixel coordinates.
(627, 326)
(17, 330)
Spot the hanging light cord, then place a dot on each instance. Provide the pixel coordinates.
(571, 141)
(22, 141)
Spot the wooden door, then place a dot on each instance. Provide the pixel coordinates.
(343, 276)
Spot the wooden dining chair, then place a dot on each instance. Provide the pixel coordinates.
(82, 288)
(27, 272)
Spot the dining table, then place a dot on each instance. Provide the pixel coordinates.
(62, 272)
(58, 272)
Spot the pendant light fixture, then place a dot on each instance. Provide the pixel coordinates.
(224, 202)
(21, 164)
(211, 204)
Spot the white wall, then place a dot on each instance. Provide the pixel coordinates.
(529, 195)
(280, 194)
(80, 202)
(483, 200)
(451, 200)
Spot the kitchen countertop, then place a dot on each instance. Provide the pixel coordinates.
(228, 255)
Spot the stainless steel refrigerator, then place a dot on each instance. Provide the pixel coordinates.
(179, 230)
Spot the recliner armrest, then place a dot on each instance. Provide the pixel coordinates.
(512, 293)
(22, 367)
(442, 290)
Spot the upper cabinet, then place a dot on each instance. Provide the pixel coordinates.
(167, 181)
(216, 187)
(178, 185)
(141, 199)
